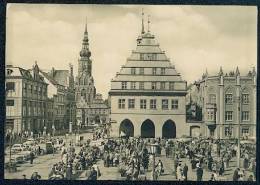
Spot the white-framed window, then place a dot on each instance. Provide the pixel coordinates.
(162, 85)
(228, 115)
(245, 131)
(165, 104)
(154, 70)
(131, 103)
(141, 71)
(171, 85)
(133, 71)
(143, 104)
(124, 85)
(162, 71)
(121, 103)
(245, 115)
(141, 85)
(245, 98)
(133, 85)
(175, 104)
(153, 85)
(211, 115)
(228, 131)
(153, 104)
(229, 98)
(212, 98)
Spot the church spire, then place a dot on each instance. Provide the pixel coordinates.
(143, 21)
(85, 45)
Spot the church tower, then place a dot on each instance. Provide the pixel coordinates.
(85, 89)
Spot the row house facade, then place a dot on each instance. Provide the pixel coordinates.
(26, 97)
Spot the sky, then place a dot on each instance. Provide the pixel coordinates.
(195, 38)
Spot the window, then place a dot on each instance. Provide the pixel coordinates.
(228, 131)
(142, 104)
(131, 103)
(154, 71)
(229, 116)
(141, 85)
(245, 116)
(153, 104)
(141, 71)
(211, 115)
(154, 85)
(124, 85)
(175, 104)
(212, 98)
(245, 98)
(171, 85)
(229, 98)
(162, 85)
(10, 86)
(9, 102)
(141, 56)
(245, 131)
(133, 71)
(162, 71)
(165, 104)
(132, 85)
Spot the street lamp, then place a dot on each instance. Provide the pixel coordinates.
(152, 149)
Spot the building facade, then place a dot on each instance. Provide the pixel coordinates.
(147, 96)
(90, 106)
(26, 96)
(228, 104)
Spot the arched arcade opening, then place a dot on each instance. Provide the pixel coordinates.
(169, 129)
(147, 129)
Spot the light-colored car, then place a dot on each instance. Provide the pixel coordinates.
(17, 148)
(30, 142)
(17, 158)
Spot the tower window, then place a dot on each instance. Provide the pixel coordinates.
(141, 85)
(141, 71)
(154, 71)
(165, 104)
(10, 86)
(162, 85)
(124, 85)
(154, 85)
(133, 71)
(142, 104)
(153, 104)
(175, 104)
(162, 71)
(131, 103)
(121, 103)
(171, 85)
(212, 98)
(133, 85)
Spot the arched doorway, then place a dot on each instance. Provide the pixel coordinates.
(127, 128)
(147, 129)
(169, 129)
(195, 131)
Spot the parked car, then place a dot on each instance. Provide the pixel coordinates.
(30, 142)
(16, 158)
(17, 148)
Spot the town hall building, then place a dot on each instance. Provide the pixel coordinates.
(147, 96)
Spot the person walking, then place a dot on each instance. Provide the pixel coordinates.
(69, 172)
(185, 172)
(235, 175)
(199, 173)
(179, 172)
(93, 174)
(31, 157)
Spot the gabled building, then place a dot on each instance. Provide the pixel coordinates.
(26, 95)
(228, 103)
(147, 96)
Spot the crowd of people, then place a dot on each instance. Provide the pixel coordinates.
(133, 158)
